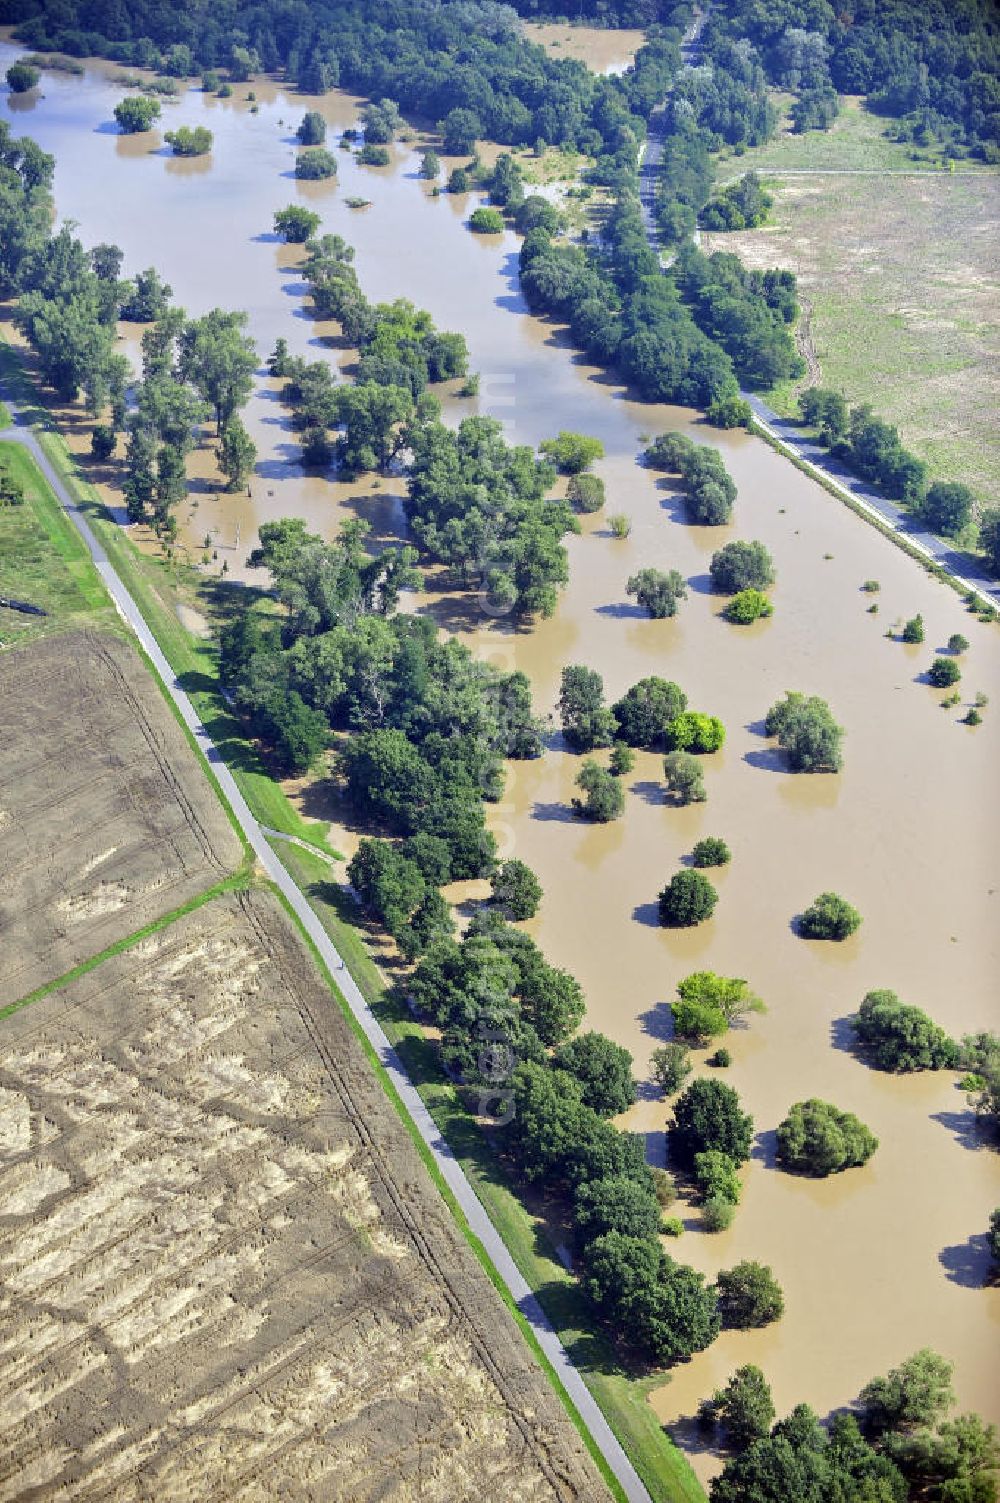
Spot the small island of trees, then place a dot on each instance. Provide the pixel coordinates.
(315, 163)
(894, 1036)
(136, 114)
(829, 917)
(711, 1004)
(817, 1138)
(22, 76)
(688, 898)
(806, 732)
(296, 224)
(708, 487)
(312, 129)
(486, 221)
(741, 566)
(189, 141)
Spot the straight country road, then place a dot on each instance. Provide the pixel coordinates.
(451, 1171)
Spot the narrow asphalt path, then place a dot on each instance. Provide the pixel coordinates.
(303, 845)
(449, 1167)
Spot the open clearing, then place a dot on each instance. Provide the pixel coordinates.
(108, 822)
(899, 278)
(42, 560)
(225, 1272)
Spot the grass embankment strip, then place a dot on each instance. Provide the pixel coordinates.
(42, 559)
(152, 584)
(236, 883)
(661, 1465)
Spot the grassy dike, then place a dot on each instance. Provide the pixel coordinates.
(154, 583)
(662, 1466)
(43, 560)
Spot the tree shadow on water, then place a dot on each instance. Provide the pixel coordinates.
(843, 1037)
(694, 1438)
(969, 1263)
(658, 1021)
(765, 1148)
(648, 914)
(965, 1127)
(768, 760)
(554, 813)
(621, 610)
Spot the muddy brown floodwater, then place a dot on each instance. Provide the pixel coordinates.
(603, 48)
(876, 1262)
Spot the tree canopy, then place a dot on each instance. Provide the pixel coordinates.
(806, 732)
(897, 1037)
(817, 1138)
(707, 1116)
(829, 917)
(688, 898)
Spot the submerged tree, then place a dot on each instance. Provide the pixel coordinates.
(237, 454)
(657, 592)
(806, 732)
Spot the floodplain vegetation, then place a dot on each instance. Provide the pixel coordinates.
(420, 730)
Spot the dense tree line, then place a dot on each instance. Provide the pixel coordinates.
(468, 66)
(868, 445)
(507, 1019)
(433, 60)
(431, 725)
(895, 1443)
(709, 489)
(624, 312)
(873, 449)
(744, 205)
(747, 313)
(932, 67)
(482, 507)
(475, 504)
(593, 12)
(724, 101)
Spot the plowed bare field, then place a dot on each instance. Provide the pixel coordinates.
(106, 820)
(224, 1272)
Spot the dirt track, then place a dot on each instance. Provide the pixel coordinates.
(107, 821)
(225, 1272)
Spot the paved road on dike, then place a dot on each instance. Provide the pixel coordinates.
(450, 1169)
